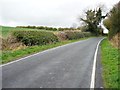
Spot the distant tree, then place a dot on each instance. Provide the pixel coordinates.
(93, 19)
(107, 23)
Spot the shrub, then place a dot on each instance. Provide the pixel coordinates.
(31, 38)
(76, 35)
(11, 43)
(113, 22)
(87, 34)
(61, 35)
(107, 23)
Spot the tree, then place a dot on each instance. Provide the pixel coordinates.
(107, 23)
(115, 20)
(93, 19)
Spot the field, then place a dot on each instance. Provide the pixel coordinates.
(5, 30)
(110, 64)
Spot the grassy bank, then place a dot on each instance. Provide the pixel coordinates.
(109, 64)
(13, 55)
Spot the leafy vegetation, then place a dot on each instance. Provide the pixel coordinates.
(77, 35)
(93, 19)
(47, 28)
(110, 64)
(39, 27)
(20, 42)
(113, 21)
(30, 38)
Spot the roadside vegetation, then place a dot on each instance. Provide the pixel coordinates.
(48, 28)
(20, 42)
(110, 64)
(113, 25)
(8, 56)
(111, 49)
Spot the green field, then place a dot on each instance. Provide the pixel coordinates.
(110, 64)
(5, 30)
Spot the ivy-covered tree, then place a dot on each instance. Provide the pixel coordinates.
(93, 19)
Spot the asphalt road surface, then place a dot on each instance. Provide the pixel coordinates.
(69, 66)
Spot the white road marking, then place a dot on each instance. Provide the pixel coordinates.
(92, 84)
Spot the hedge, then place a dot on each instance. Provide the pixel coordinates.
(30, 38)
(113, 21)
(77, 35)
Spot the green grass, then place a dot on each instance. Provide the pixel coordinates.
(110, 64)
(5, 30)
(13, 55)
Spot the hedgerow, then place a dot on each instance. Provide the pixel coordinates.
(31, 38)
(77, 35)
(113, 21)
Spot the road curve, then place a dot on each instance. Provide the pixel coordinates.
(69, 66)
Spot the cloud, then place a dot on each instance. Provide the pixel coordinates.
(46, 12)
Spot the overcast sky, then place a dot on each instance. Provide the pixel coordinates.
(57, 13)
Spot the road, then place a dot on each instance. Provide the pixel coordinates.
(69, 66)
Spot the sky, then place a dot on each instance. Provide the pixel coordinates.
(54, 13)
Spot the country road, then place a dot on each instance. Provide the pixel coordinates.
(69, 66)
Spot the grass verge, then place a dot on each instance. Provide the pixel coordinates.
(110, 64)
(13, 55)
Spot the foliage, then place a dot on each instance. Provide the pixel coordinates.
(77, 35)
(61, 36)
(70, 35)
(46, 28)
(93, 18)
(114, 17)
(39, 27)
(31, 38)
(107, 23)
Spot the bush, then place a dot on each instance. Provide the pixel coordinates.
(11, 43)
(31, 38)
(87, 34)
(61, 36)
(76, 35)
(39, 27)
(107, 23)
(113, 22)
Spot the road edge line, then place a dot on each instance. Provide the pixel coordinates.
(92, 84)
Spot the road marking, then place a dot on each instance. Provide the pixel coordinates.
(54, 48)
(92, 84)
